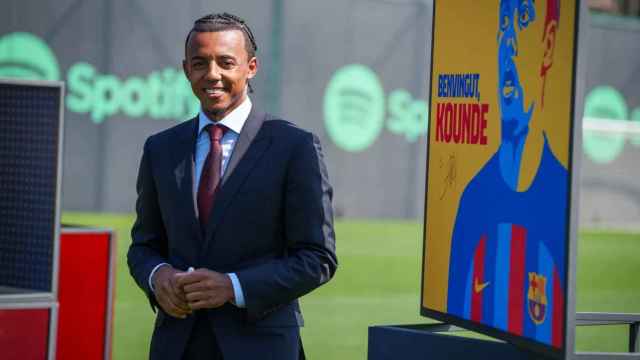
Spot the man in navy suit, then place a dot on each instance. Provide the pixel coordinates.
(234, 216)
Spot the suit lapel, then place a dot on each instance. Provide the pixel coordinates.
(183, 170)
(247, 134)
(251, 145)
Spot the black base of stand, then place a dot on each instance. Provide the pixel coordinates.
(431, 341)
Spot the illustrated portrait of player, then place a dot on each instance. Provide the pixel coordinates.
(507, 264)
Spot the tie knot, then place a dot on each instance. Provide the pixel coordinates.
(216, 132)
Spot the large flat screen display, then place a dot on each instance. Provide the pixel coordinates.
(498, 174)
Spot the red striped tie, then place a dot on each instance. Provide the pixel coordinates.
(210, 177)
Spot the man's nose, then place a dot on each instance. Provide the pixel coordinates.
(512, 44)
(213, 73)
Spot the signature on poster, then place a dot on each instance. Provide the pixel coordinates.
(449, 165)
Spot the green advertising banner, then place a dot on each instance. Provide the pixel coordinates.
(360, 84)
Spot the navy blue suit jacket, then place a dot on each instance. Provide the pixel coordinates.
(271, 224)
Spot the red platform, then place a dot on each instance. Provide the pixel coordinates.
(24, 334)
(85, 294)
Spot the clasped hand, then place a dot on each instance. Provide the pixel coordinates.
(179, 293)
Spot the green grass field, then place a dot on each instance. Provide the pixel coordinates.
(378, 282)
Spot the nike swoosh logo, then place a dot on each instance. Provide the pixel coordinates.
(478, 287)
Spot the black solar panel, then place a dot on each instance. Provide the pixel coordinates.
(29, 130)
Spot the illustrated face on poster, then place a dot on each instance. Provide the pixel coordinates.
(498, 185)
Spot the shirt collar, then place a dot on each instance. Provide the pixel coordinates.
(234, 121)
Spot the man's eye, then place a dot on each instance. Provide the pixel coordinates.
(524, 17)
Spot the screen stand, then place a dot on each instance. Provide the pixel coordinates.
(436, 341)
(603, 319)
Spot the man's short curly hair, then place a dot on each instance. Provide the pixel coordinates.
(224, 22)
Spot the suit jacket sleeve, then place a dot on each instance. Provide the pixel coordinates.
(149, 242)
(310, 258)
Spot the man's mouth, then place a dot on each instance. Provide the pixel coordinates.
(508, 90)
(508, 87)
(213, 92)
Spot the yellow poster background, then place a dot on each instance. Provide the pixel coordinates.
(465, 41)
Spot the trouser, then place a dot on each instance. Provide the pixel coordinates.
(203, 344)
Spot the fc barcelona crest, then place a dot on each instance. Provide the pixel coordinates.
(537, 298)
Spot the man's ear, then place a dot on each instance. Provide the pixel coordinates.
(549, 43)
(253, 67)
(185, 68)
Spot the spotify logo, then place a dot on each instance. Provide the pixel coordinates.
(605, 102)
(25, 56)
(162, 94)
(635, 116)
(354, 107)
(356, 110)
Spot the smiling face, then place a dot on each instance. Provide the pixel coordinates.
(218, 67)
(520, 55)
